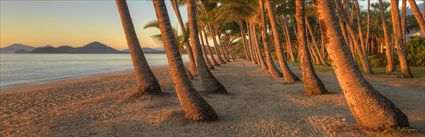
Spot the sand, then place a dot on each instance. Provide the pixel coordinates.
(258, 105)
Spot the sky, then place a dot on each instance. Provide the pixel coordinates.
(78, 22)
(75, 22)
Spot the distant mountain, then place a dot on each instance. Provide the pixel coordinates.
(94, 47)
(15, 47)
(148, 50)
(21, 51)
(410, 12)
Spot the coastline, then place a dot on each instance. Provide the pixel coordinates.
(18, 71)
(67, 79)
(258, 105)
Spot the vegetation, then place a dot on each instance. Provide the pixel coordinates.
(309, 32)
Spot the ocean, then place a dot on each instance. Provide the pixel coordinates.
(17, 69)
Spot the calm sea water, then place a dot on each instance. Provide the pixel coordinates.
(18, 69)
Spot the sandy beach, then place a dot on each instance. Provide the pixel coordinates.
(258, 105)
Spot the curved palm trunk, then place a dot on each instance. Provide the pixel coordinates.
(404, 67)
(315, 49)
(417, 14)
(251, 48)
(209, 82)
(147, 84)
(251, 43)
(188, 47)
(312, 84)
(260, 51)
(216, 46)
(288, 39)
(270, 64)
(204, 53)
(403, 21)
(289, 76)
(359, 28)
(368, 27)
(388, 50)
(357, 46)
(194, 106)
(221, 48)
(215, 63)
(242, 32)
(370, 109)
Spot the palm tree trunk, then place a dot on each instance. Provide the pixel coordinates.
(258, 54)
(204, 53)
(403, 21)
(260, 51)
(398, 40)
(270, 63)
(216, 46)
(288, 38)
(320, 57)
(251, 43)
(188, 47)
(215, 63)
(313, 55)
(312, 84)
(344, 31)
(288, 75)
(359, 27)
(147, 84)
(370, 109)
(221, 47)
(363, 58)
(209, 82)
(417, 14)
(368, 26)
(245, 47)
(388, 49)
(194, 106)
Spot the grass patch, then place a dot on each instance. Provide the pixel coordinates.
(418, 72)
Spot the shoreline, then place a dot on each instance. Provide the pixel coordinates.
(52, 80)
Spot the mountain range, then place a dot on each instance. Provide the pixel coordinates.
(91, 48)
(15, 47)
(410, 12)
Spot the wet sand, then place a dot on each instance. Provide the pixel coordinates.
(258, 105)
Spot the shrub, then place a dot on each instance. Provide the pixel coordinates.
(416, 51)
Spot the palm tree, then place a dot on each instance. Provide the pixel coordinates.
(288, 75)
(181, 40)
(147, 84)
(403, 21)
(368, 25)
(312, 84)
(237, 11)
(204, 53)
(388, 51)
(370, 109)
(211, 29)
(194, 106)
(269, 59)
(404, 67)
(417, 14)
(320, 57)
(209, 82)
(188, 47)
(215, 62)
(357, 45)
(359, 27)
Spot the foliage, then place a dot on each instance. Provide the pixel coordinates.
(416, 51)
(155, 24)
